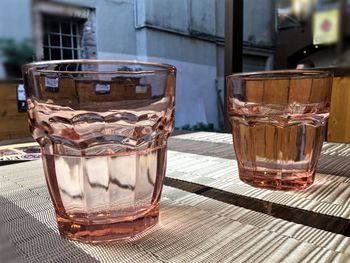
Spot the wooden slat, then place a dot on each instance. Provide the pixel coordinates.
(10, 108)
(8, 91)
(339, 120)
(300, 90)
(171, 85)
(119, 90)
(286, 139)
(320, 90)
(254, 90)
(276, 91)
(13, 124)
(270, 138)
(259, 141)
(66, 90)
(19, 134)
(87, 92)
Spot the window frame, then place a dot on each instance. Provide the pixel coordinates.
(48, 20)
(41, 8)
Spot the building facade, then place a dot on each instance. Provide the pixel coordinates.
(188, 34)
(296, 37)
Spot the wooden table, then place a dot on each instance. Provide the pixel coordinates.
(207, 213)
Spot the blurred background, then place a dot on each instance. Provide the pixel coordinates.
(204, 39)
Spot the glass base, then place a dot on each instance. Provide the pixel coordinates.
(276, 180)
(103, 233)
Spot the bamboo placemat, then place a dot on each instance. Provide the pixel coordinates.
(213, 219)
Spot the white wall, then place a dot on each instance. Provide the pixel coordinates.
(259, 21)
(195, 89)
(161, 31)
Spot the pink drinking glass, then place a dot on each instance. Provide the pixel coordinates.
(103, 128)
(278, 125)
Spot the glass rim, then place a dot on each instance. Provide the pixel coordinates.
(160, 67)
(282, 74)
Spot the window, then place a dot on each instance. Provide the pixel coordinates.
(254, 63)
(62, 38)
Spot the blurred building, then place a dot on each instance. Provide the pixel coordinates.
(186, 33)
(315, 32)
(258, 35)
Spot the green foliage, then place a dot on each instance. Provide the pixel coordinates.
(17, 53)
